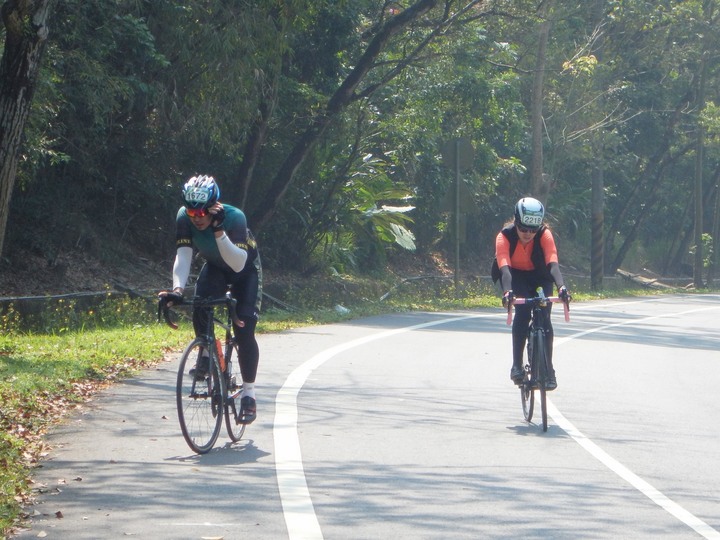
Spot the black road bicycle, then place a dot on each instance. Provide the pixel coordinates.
(206, 390)
(536, 364)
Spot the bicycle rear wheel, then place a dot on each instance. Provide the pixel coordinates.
(540, 360)
(527, 396)
(199, 398)
(234, 394)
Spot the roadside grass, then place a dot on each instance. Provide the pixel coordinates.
(70, 354)
(44, 375)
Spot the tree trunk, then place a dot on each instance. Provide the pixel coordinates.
(676, 251)
(632, 234)
(698, 177)
(539, 186)
(258, 136)
(687, 236)
(708, 48)
(713, 272)
(25, 37)
(597, 210)
(597, 264)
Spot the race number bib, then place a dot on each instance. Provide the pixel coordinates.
(197, 195)
(532, 221)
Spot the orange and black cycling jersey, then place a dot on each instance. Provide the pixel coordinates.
(521, 258)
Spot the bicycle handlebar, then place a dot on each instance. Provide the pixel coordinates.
(164, 310)
(536, 300)
(227, 300)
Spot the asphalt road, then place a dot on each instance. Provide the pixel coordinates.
(407, 426)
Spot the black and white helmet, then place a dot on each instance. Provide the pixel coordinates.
(200, 192)
(529, 213)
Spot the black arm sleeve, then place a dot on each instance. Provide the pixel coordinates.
(554, 270)
(505, 278)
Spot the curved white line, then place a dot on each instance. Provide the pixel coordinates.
(632, 321)
(298, 509)
(631, 478)
(615, 466)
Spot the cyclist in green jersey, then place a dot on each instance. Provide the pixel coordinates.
(219, 232)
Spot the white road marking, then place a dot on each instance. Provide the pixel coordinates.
(632, 321)
(634, 480)
(615, 466)
(300, 518)
(298, 509)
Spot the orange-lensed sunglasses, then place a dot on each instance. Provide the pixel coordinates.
(196, 212)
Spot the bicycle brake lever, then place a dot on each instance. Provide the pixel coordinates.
(162, 308)
(169, 322)
(232, 307)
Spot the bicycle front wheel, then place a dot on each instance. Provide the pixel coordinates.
(527, 396)
(199, 397)
(234, 393)
(540, 352)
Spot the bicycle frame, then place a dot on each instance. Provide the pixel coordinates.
(202, 397)
(536, 368)
(209, 336)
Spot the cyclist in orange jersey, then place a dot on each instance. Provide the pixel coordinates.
(526, 258)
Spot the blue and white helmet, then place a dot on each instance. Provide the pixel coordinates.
(529, 213)
(200, 192)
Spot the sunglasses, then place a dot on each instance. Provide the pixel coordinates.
(196, 212)
(525, 230)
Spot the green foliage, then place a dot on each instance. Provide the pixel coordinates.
(43, 374)
(46, 371)
(710, 118)
(373, 220)
(136, 96)
(355, 220)
(62, 316)
(14, 477)
(707, 246)
(91, 126)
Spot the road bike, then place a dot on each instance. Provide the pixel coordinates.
(206, 390)
(536, 364)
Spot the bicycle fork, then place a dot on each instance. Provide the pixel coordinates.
(537, 357)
